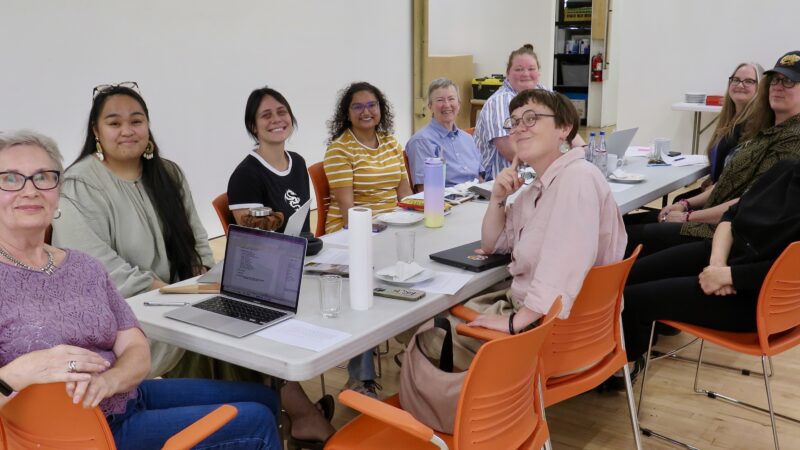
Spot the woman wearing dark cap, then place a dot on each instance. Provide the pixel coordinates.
(772, 133)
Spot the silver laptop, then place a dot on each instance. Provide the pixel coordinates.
(619, 141)
(260, 284)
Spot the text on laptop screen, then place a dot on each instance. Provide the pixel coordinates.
(265, 267)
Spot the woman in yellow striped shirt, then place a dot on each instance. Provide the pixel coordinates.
(364, 162)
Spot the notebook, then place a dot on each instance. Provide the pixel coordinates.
(260, 284)
(464, 257)
(619, 141)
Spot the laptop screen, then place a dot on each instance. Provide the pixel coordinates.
(263, 265)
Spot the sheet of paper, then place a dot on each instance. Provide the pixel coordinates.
(331, 255)
(214, 275)
(338, 238)
(634, 151)
(686, 160)
(303, 334)
(619, 187)
(445, 283)
(295, 223)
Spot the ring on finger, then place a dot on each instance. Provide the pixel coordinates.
(72, 366)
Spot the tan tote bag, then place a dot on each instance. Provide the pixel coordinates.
(428, 391)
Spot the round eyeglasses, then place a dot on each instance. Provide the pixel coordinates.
(528, 119)
(44, 180)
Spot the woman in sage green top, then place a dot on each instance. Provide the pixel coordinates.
(131, 209)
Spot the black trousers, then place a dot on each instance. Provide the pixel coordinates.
(645, 229)
(665, 286)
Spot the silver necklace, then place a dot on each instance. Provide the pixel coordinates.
(47, 268)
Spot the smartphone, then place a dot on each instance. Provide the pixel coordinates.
(398, 293)
(673, 154)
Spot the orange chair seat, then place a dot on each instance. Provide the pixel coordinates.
(373, 434)
(561, 388)
(747, 343)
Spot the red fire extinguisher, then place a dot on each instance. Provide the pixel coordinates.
(597, 67)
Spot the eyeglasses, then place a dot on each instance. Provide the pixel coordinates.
(44, 180)
(747, 82)
(359, 107)
(787, 83)
(100, 88)
(528, 119)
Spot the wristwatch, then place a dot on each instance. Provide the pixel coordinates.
(5, 389)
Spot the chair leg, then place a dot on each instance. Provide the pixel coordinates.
(379, 372)
(547, 444)
(646, 366)
(632, 407)
(322, 383)
(769, 401)
(699, 363)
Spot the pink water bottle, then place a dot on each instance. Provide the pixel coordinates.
(434, 193)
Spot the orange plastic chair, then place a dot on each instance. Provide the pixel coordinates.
(471, 131)
(322, 192)
(408, 172)
(591, 337)
(43, 417)
(498, 407)
(777, 330)
(223, 212)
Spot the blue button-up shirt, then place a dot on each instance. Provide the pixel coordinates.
(461, 156)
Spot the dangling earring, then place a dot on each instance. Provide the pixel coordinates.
(564, 147)
(148, 151)
(98, 149)
(58, 213)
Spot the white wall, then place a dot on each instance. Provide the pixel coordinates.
(196, 61)
(489, 31)
(667, 48)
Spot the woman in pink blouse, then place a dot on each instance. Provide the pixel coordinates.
(564, 223)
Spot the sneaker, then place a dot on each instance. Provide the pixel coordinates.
(369, 387)
(616, 382)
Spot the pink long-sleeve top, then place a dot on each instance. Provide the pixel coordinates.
(556, 230)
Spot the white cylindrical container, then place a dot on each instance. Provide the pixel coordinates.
(359, 224)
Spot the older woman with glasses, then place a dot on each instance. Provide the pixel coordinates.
(62, 319)
(771, 133)
(553, 242)
(443, 139)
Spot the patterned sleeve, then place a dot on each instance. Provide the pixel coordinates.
(338, 165)
(119, 307)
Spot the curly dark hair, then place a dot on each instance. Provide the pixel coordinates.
(340, 121)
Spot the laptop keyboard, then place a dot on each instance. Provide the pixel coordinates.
(239, 310)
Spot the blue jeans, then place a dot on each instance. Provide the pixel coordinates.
(362, 367)
(165, 407)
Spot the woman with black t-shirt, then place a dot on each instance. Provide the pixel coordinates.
(274, 177)
(270, 175)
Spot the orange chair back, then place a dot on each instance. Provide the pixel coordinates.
(322, 192)
(37, 418)
(779, 301)
(408, 172)
(499, 403)
(223, 212)
(470, 130)
(589, 337)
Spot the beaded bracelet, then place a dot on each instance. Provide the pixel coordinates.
(511, 323)
(685, 204)
(688, 214)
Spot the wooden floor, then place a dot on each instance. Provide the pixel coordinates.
(601, 421)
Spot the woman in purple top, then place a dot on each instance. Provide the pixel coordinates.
(62, 319)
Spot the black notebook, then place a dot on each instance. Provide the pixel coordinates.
(464, 257)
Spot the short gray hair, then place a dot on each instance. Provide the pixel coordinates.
(30, 137)
(440, 83)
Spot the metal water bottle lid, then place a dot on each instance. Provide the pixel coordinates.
(261, 211)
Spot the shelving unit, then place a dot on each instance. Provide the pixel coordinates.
(572, 63)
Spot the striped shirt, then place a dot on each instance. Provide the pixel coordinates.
(490, 126)
(373, 173)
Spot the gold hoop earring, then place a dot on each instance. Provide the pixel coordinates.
(149, 151)
(98, 149)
